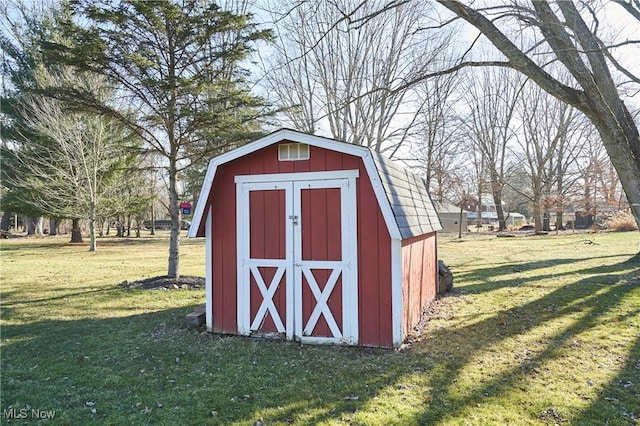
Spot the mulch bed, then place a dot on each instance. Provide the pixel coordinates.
(163, 282)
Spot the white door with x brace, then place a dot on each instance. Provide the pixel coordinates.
(297, 256)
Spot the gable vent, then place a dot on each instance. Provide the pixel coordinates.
(293, 151)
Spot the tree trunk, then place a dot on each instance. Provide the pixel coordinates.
(53, 226)
(497, 199)
(479, 208)
(153, 221)
(92, 227)
(5, 222)
(174, 211)
(546, 219)
(560, 200)
(537, 214)
(622, 142)
(138, 226)
(34, 226)
(559, 219)
(119, 227)
(101, 227)
(76, 233)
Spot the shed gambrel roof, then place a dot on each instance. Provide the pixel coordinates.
(409, 198)
(402, 195)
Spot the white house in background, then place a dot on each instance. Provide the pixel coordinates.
(490, 214)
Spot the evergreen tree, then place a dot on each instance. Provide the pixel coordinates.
(21, 61)
(178, 65)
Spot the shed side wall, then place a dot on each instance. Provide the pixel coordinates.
(223, 262)
(374, 242)
(419, 276)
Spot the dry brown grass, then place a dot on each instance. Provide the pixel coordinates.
(622, 221)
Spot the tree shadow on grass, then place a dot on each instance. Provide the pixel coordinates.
(591, 298)
(9, 300)
(515, 273)
(13, 300)
(625, 384)
(150, 369)
(438, 356)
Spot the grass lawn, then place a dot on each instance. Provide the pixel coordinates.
(540, 330)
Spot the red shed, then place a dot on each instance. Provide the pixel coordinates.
(315, 240)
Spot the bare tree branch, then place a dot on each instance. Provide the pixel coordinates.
(518, 60)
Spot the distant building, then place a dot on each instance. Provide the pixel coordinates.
(449, 215)
(489, 216)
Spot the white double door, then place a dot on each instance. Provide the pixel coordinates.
(297, 256)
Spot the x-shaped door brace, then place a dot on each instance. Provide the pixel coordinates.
(322, 296)
(267, 298)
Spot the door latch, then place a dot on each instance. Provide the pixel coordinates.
(294, 218)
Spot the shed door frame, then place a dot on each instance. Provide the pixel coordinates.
(294, 266)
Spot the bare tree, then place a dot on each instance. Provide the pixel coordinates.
(491, 96)
(567, 167)
(462, 187)
(438, 135)
(609, 183)
(568, 33)
(548, 126)
(597, 185)
(78, 171)
(476, 178)
(337, 64)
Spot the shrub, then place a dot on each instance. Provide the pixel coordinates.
(622, 221)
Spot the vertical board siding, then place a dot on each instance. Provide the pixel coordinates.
(267, 236)
(321, 227)
(321, 240)
(267, 222)
(419, 263)
(224, 254)
(385, 306)
(374, 241)
(333, 224)
(374, 268)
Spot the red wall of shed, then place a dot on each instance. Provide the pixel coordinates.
(374, 242)
(419, 276)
